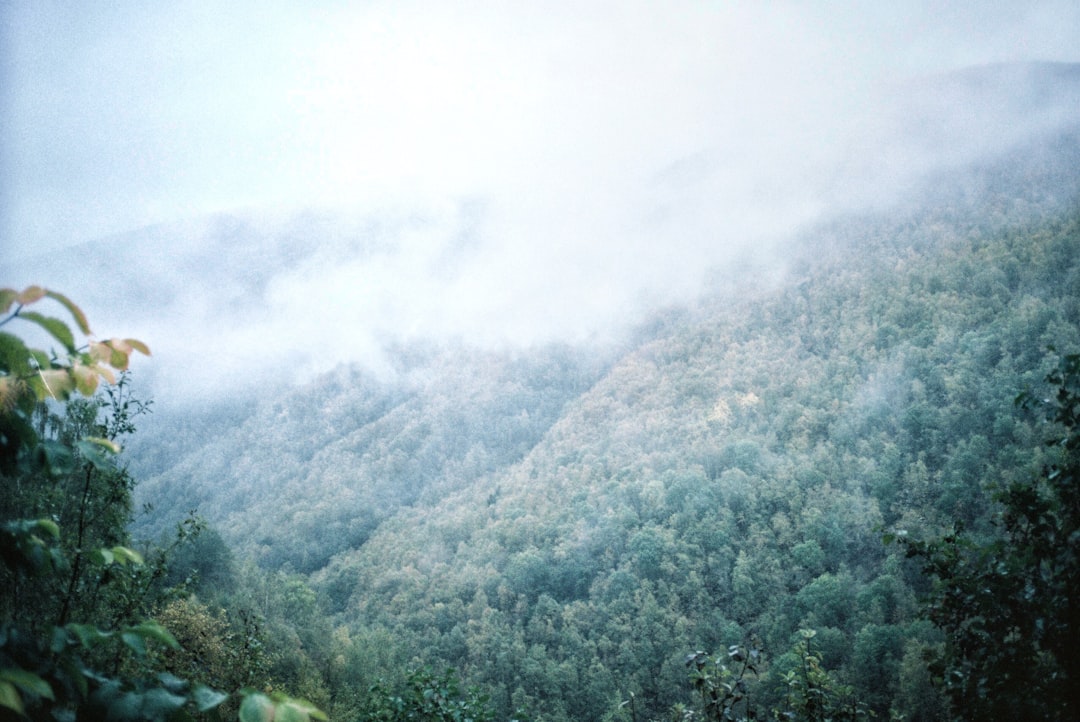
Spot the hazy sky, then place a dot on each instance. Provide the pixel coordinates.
(120, 114)
(607, 148)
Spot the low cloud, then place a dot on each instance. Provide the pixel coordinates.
(482, 171)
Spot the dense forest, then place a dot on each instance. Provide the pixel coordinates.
(563, 527)
(761, 490)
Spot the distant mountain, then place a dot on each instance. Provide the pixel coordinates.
(942, 123)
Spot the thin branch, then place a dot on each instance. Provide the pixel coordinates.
(13, 314)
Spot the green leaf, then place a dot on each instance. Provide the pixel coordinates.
(9, 697)
(88, 635)
(159, 703)
(54, 457)
(173, 683)
(60, 639)
(54, 326)
(135, 642)
(298, 707)
(75, 676)
(256, 707)
(288, 712)
(118, 360)
(317, 713)
(42, 359)
(14, 355)
(206, 698)
(95, 453)
(156, 632)
(102, 557)
(27, 681)
(75, 311)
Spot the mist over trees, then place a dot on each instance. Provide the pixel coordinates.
(564, 529)
(808, 493)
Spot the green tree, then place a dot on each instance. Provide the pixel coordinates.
(1009, 605)
(813, 693)
(725, 687)
(427, 697)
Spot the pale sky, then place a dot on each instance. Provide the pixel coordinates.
(122, 114)
(613, 148)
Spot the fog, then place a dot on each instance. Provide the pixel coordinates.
(278, 187)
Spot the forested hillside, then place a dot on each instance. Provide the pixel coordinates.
(563, 526)
(315, 471)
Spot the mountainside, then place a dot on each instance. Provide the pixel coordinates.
(314, 471)
(563, 517)
(564, 529)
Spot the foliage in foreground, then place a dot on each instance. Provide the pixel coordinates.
(727, 688)
(1010, 605)
(74, 643)
(428, 697)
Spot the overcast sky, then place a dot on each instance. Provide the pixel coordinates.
(121, 114)
(601, 141)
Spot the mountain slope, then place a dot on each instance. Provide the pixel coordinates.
(729, 477)
(564, 529)
(564, 526)
(313, 471)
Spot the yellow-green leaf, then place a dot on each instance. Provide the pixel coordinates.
(30, 294)
(7, 297)
(123, 555)
(120, 345)
(86, 381)
(100, 352)
(105, 373)
(76, 312)
(52, 383)
(138, 346)
(153, 630)
(107, 444)
(118, 359)
(50, 527)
